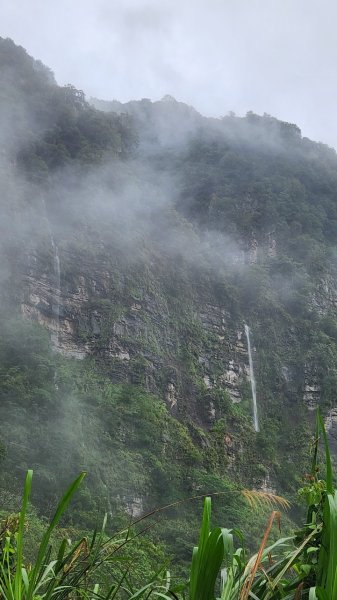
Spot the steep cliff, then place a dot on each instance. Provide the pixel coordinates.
(136, 245)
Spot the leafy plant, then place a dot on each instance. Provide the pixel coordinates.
(301, 566)
(72, 570)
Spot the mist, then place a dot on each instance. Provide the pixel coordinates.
(276, 57)
(136, 243)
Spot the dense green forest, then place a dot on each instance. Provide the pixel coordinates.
(137, 240)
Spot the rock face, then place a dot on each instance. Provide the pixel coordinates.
(272, 248)
(324, 299)
(231, 378)
(140, 326)
(134, 506)
(253, 251)
(37, 304)
(311, 395)
(121, 313)
(171, 396)
(266, 485)
(312, 388)
(134, 336)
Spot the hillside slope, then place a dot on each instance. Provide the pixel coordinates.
(136, 245)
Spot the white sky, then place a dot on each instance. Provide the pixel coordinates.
(274, 56)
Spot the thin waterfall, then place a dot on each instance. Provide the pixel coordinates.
(57, 288)
(55, 308)
(252, 380)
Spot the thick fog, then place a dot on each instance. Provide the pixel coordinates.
(274, 56)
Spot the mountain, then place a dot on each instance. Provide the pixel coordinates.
(144, 250)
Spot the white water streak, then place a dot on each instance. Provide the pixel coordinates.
(252, 381)
(57, 282)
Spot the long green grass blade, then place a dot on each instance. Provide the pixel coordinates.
(208, 556)
(206, 523)
(329, 472)
(210, 566)
(198, 551)
(20, 536)
(41, 557)
(61, 552)
(315, 452)
(331, 584)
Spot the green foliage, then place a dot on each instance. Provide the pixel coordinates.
(304, 565)
(72, 570)
(208, 557)
(106, 567)
(157, 293)
(55, 126)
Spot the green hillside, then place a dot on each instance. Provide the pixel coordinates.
(136, 242)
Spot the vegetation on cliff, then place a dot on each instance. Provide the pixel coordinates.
(299, 566)
(170, 232)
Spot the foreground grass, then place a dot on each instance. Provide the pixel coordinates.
(303, 565)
